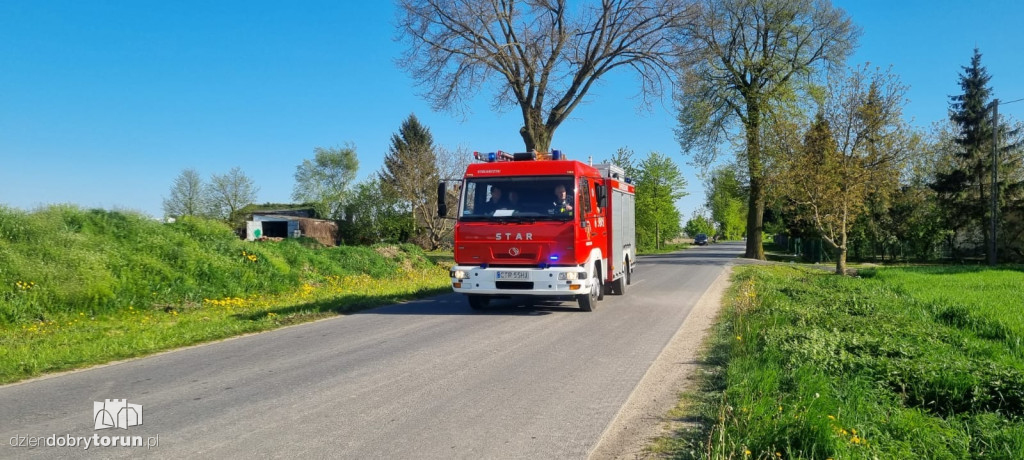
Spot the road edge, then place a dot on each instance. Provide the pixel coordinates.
(642, 418)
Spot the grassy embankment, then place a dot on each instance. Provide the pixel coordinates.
(923, 362)
(80, 287)
(667, 248)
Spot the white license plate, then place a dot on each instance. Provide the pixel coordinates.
(513, 275)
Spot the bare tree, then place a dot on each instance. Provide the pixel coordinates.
(450, 163)
(540, 55)
(187, 195)
(230, 192)
(741, 61)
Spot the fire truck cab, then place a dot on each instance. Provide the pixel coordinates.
(537, 224)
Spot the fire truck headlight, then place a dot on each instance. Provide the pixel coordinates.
(570, 276)
(459, 274)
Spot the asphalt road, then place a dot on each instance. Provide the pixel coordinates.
(423, 379)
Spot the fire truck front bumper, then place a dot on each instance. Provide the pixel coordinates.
(550, 281)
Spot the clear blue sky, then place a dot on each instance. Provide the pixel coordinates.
(103, 103)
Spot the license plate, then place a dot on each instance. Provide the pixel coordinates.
(513, 276)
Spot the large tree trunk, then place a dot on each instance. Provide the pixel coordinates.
(755, 216)
(536, 134)
(539, 140)
(841, 256)
(755, 210)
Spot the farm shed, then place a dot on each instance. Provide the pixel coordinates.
(286, 226)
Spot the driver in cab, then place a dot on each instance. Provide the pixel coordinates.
(562, 204)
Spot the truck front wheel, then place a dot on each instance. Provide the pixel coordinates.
(589, 301)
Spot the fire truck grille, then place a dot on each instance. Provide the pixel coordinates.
(524, 256)
(513, 284)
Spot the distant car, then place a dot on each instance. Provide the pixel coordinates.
(700, 240)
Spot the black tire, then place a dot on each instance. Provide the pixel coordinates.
(600, 284)
(477, 302)
(629, 273)
(588, 302)
(619, 286)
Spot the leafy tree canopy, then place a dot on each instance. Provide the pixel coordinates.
(325, 179)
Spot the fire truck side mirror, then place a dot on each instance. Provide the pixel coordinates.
(602, 195)
(442, 206)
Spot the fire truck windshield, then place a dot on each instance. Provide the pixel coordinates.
(518, 198)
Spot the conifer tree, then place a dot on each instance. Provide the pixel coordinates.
(410, 173)
(964, 188)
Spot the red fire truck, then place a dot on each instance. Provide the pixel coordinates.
(537, 224)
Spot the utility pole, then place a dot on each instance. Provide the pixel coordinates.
(992, 259)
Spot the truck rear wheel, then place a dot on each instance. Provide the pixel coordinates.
(619, 286)
(477, 302)
(589, 301)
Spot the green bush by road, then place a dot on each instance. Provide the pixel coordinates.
(899, 363)
(79, 287)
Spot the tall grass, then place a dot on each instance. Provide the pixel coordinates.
(902, 363)
(63, 259)
(84, 286)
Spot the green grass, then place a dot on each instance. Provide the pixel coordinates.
(922, 362)
(81, 287)
(667, 248)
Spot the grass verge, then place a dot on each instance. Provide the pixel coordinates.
(912, 362)
(667, 248)
(83, 287)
